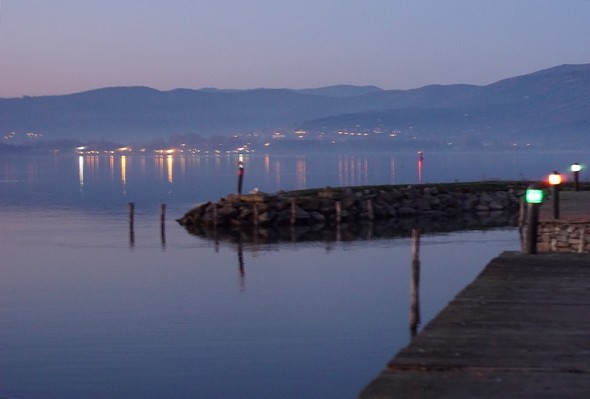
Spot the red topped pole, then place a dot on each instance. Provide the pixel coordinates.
(240, 175)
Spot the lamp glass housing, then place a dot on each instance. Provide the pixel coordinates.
(554, 179)
(534, 196)
(576, 167)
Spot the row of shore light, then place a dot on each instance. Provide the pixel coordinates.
(534, 197)
(169, 151)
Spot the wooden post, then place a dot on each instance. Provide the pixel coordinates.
(415, 290)
(131, 223)
(255, 215)
(163, 225)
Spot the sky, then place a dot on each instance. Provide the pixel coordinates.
(50, 47)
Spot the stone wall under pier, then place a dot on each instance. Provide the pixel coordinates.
(563, 236)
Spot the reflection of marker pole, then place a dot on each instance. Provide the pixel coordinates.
(241, 264)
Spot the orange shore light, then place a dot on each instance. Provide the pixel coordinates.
(554, 178)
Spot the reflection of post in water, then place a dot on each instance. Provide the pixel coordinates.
(241, 263)
(131, 224)
(415, 291)
(163, 225)
(420, 163)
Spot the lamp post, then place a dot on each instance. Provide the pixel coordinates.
(555, 181)
(576, 168)
(533, 197)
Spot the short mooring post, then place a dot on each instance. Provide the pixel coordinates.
(163, 225)
(131, 223)
(240, 174)
(415, 290)
(554, 182)
(534, 197)
(576, 168)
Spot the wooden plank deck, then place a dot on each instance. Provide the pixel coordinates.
(520, 330)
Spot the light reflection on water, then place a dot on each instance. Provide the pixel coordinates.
(86, 314)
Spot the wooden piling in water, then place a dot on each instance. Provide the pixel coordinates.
(163, 225)
(519, 330)
(131, 223)
(415, 289)
(338, 207)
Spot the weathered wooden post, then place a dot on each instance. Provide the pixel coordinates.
(131, 223)
(415, 290)
(338, 207)
(163, 225)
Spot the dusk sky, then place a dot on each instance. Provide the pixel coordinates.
(66, 46)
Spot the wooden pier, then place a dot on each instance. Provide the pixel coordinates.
(520, 330)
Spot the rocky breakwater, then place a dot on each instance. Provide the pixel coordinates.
(331, 206)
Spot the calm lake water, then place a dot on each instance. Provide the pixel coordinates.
(88, 312)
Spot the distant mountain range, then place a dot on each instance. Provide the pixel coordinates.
(546, 108)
